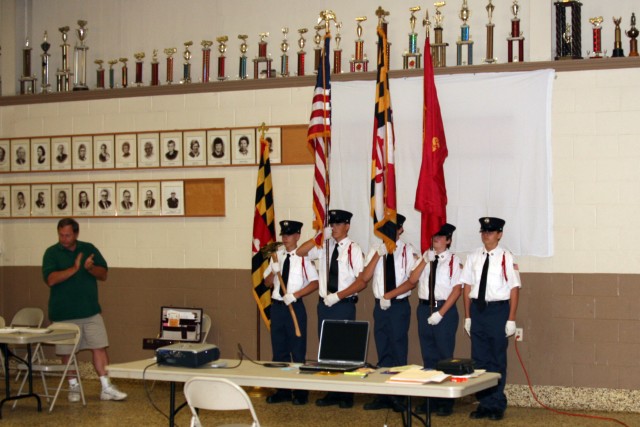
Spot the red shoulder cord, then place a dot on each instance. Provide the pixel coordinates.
(504, 267)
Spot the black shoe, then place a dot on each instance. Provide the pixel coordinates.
(300, 400)
(328, 400)
(279, 397)
(380, 402)
(444, 411)
(346, 403)
(399, 404)
(480, 413)
(496, 415)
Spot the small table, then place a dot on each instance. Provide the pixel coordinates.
(24, 337)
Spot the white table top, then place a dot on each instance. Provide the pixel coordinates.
(250, 374)
(21, 337)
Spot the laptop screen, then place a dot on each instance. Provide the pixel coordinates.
(343, 341)
(181, 324)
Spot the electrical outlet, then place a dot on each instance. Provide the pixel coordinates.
(519, 334)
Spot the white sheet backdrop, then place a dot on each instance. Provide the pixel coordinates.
(498, 129)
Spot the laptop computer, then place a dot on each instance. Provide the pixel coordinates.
(343, 346)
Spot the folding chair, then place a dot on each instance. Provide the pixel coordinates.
(216, 394)
(31, 317)
(206, 325)
(57, 369)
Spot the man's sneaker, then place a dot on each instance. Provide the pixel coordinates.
(74, 393)
(112, 393)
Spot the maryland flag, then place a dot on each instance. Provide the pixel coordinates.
(431, 194)
(263, 232)
(319, 141)
(383, 174)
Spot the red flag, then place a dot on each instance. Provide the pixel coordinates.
(431, 194)
(319, 141)
(383, 175)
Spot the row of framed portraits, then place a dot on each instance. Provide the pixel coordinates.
(138, 150)
(127, 198)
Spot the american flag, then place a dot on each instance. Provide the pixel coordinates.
(383, 174)
(319, 141)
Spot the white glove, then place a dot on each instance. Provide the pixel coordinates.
(385, 303)
(331, 299)
(467, 325)
(435, 318)
(429, 256)
(289, 298)
(327, 233)
(510, 328)
(275, 267)
(382, 249)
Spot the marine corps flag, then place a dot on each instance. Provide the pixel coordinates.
(263, 232)
(431, 194)
(383, 174)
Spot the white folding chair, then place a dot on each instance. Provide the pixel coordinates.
(206, 326)
(31, 317)
(58, 369)
(216, 394)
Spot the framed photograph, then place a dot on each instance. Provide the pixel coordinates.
(20, 200)
(127, 198)
(82, 152)
(272, 136)
(194, 148)
(172, 198)
(5, 155)
(218, 147)
(105, 198)
(171, 154)
(20, 155)
(41, 198)
(5, 201)
(126, 152)
(149, 202)
(244, 146)
(61, 153)
(103, 157)
(83, 200)
(40, 154)
(62, 199)
(148, 148)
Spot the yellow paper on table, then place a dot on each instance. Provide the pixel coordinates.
(418, 376)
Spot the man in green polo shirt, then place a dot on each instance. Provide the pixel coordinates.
(71, 269)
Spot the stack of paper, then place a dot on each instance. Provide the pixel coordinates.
(418, 376)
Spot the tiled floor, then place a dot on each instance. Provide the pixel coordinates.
(138, 411)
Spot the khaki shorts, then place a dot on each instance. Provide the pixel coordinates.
(94, 334)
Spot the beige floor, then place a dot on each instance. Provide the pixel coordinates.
(138, 411)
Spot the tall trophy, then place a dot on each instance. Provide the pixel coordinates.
(170, 51)
(124, 73)
(465, 36)
(633, 35)
(222, 48)
(242, 68)
(516, 35)
(317, 51)
(155, 69)
(284, 58)
(27, 81)
(597, 38)
(45, 86)
(618, 52)
(112, 73)
(337, 52)
(382, 15)
(63, 75)
(489, 59)
(568, 35)
(359, 62)
(139, 63)
(99, 74)
(439, 48)
(80, 58)
(206, 59)
(412, 57)
(186, 66)
(262, 63)
(301, 53)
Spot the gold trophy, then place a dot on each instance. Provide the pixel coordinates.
(155, 67)
(139, 63)
(301, 53)
(242, 69)
(516, 35)
(359, 62)
(489, 59)
(63, 75)
(112, 73)
(99, 74)
(262, 63)
(317, 51)
(568, 34)
(439, 48)
(465, 36)
(337, 52)
(206, 59)
(222, 48)
(633, 35)
(170, 51)
(186, 67)
(382, 15)
(412, 57)
(45, 86)
(125, 72)
(618, 52)
(597, 37)
(284, 58)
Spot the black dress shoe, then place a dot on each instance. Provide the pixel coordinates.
(346, 403)
(328, 400)
(399, 404)
(279, 397)
(299, 400)
(496, 415)
(480, 413)
(380, 402)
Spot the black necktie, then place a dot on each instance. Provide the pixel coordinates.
(483, 283)
(432, 283)
(285, 274)
(390, 274)
(332, 286)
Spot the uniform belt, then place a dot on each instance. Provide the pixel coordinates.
(279, 302)
(436, 303)
(351, 299)
(395, 300)
(504, 301)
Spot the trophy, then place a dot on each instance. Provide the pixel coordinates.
(222, 48)
(489, 59)
(465, 36)
(359, 62)
(633, 35)
(284, 58)
(186, 67)
(301, 52)
(412, 57)
(112, 73)
(382, 14)
(155, 69)
(317, 51)
(206, 59)
(516, 35)
(45, 56)
(63, 75)
(125, 72)
(242, 69)
(439, 48)
(337, 52)
(27, 81)
(170, 51)
(568, 36)
(264, 71)
(597, 37)
(80, 59)
(99, 74)
(139, 57)
(618, 52)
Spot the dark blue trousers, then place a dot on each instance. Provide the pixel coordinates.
(391, 332)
